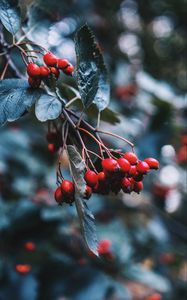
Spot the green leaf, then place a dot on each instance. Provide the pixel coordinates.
(107, 115)
(77, 167)
(92, 79)
(10, 15)
(15, 98)
(48, 108)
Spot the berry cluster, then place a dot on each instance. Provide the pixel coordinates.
(65, 193)
(125, 173)
(53, 66)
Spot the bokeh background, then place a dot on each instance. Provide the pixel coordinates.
(144, 45)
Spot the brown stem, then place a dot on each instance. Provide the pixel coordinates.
(6, 48)
(4, 71)
(117, 136)
(84, 149)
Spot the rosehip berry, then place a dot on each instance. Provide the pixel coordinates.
(33, 70)
(50, 59)
(96, 188)
(58, 195)
(155, 296)
(88, 192)
(69, 70)
(52, 148)
(152, 162)
(131, 157)
(62, 63)
(23, 268)
(91, 178)
(55, 71)
(132, 170)
(67, 188)
(44, 71)
(137, 187)
(126, 185)
(110, 165)
(124, 164)
(142, 167)
(101, 177)
(104, 247)
(34, 82)
(30, 246)
(167, 258)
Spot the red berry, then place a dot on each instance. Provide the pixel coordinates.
(96, 188)
(110, 165)
(52, 147)
(55, 71)
(50, 59)
(30, 246)
(131, 157)
(138, 176)
(67, 188)
(124, 164)
(88, 192)
(62, 63)
(137, 186)
(152, 162)
(167, 258)
(34, 82)
(184, 139)
(44, 71)
(69, 70)
(132, 171)
(23, 268)
(126, 185)
(33, 70)
(104, 247)
(101, 177)
(58, 195)
(142, 167)
(155, 296)
(91, 178)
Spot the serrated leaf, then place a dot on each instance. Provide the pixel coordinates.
(10, 15)
(48, 108)
(77, 167)
(92, 76)
(15, 98)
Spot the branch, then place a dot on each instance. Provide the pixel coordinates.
(6, 50)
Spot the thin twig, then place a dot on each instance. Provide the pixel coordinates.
(117, 136)
(12, 65)
(98, 119)
(71, 101)
(4, 71)
(92, 152)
